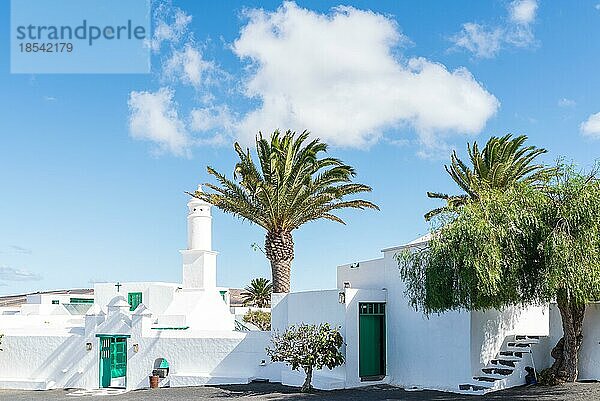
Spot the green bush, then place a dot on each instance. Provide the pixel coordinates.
(259, 318)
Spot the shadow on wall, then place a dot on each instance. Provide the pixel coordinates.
(490, 328)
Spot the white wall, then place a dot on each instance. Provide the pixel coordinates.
(202, 310)
(423, 352)
(490, 329)
(59, 359)
(309, 307)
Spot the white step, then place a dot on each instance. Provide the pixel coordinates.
(507, 369)
(496, 376)
(25, 384)
(527, 339)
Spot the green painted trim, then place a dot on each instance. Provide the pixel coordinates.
(170, 328)
(81, 300)
(114, 335)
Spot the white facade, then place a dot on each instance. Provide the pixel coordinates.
(55, 341)
(48, 343)
(441, 351)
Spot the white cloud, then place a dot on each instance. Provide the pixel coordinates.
(597, 6)
(591, 127)
(479, 41)
(523, 11)
(12, 274)
(210, 118)
(171, 25)
(153, 117)
(336, 75)
(566, 103)
(189, 67)
(486, 41)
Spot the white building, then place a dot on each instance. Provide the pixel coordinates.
(387, 341)
(188, 333)
(131, 329)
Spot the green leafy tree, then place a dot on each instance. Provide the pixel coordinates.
(258, 293)
(309, 347)
(290, 186)
(502, 162)
(260, 319)
(518, 246)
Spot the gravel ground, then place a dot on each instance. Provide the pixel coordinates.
(270, 391)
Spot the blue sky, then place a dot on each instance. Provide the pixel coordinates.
(93, 168)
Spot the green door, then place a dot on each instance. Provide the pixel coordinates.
(371, 340)
(105, 361)
(134, 299)
(113, 359)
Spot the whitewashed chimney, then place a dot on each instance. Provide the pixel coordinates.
(199, 260)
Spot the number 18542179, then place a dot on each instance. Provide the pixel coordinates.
(48, 47)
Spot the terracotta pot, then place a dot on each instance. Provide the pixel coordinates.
(154, 381)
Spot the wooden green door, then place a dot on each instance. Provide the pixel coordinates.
(118, 364)
(371, 340)
(113, 359)
(105, 361)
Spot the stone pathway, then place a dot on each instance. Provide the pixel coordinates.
(277, 392)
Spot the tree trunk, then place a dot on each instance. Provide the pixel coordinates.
(566, 351)
(279, 248)
(307, 386)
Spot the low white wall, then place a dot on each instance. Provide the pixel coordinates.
(220, 356)
(61, 361)
(309, 307)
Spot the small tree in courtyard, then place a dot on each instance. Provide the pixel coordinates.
(521, 245)
(308, 347)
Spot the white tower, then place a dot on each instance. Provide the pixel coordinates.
(199, 260)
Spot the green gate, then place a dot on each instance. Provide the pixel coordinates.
(113, 358)
(371, 340)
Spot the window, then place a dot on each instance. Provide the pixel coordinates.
(134, 299)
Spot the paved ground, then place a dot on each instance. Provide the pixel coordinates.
(268, 391)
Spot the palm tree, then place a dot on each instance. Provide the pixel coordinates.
(258, 293)
(502, 162)
(290, 186)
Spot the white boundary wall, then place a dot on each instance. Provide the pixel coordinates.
(55, 358)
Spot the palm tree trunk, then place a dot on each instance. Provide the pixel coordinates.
(566, 351)
(279, 248)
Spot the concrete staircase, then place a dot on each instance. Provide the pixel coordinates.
(507, 369)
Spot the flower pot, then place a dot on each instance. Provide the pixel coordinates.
(154, 381)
